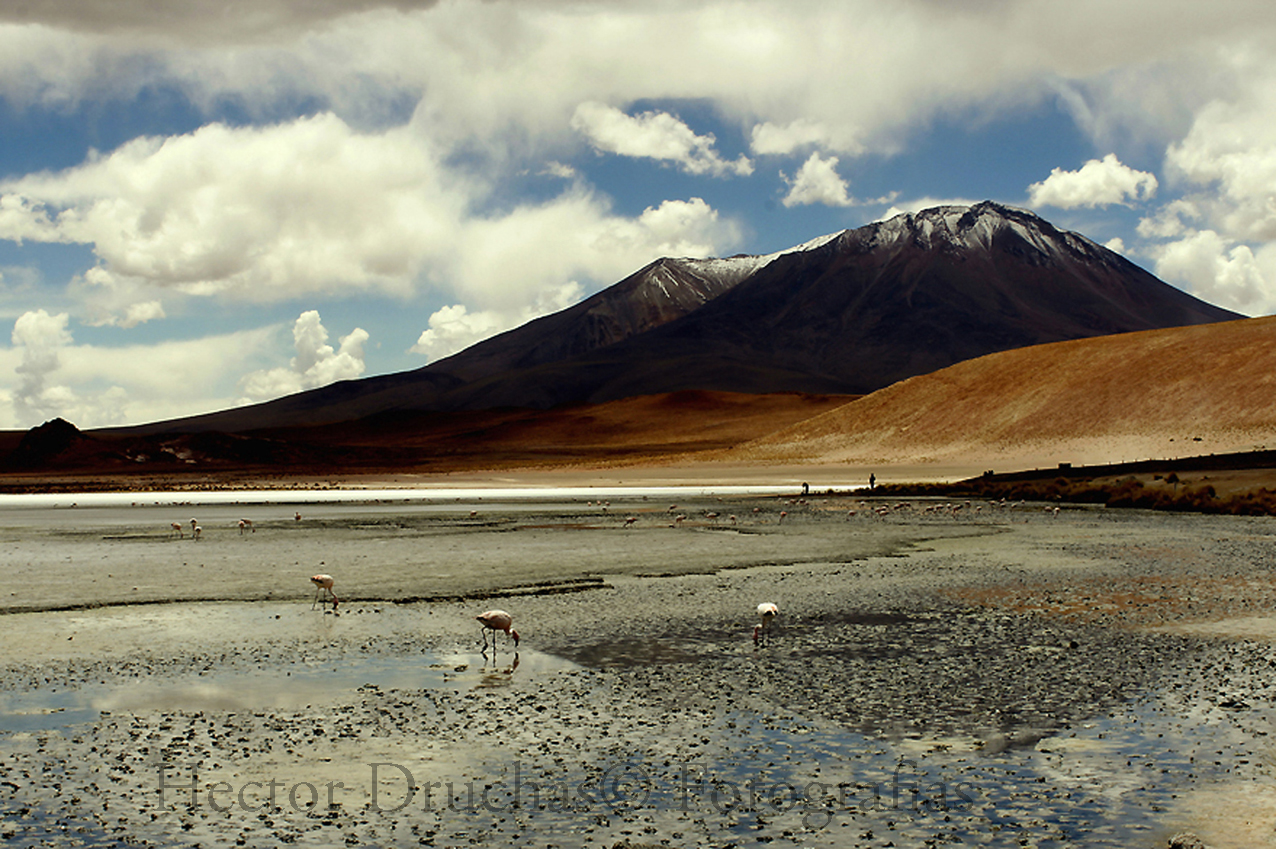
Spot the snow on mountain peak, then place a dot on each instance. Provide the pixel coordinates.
(976, 227)
(967, 227)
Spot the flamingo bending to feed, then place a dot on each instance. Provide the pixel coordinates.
(322, 583)
(768, 611)
(497, 620)
(177, 528)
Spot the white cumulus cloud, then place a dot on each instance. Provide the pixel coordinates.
(40, 337)
(454, 328)
(97, 386)
(1100, 182)
(312, 207)
(1218, 270)
(774, 138)
(265, 213)
(817, 181)
(507, 262)
(1229, 156)
(316, 362)
(654, 135)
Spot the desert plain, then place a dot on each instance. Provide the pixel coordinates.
(941, 673)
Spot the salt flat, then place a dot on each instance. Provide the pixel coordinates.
(993, 676)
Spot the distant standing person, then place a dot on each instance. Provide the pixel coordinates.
(872, 481)
(806, 488)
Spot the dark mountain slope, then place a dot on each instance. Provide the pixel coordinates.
(662, 291)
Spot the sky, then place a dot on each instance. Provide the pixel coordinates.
(207, 204)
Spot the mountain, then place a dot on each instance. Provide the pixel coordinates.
(663, 291)
(1158, 394)
(846, 314)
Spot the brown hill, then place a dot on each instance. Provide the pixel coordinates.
(1154, 394)
(647, 429)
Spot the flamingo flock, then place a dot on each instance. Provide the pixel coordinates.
(197, 530)
(497, 620)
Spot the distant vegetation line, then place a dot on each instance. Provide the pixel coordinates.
(1146, 484)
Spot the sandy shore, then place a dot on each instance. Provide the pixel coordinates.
(1002, 677)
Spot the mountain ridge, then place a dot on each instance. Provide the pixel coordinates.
(848, 313)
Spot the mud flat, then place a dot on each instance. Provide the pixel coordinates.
(1000, 676)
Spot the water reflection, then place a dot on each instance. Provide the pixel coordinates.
(291, 686)
(496, 674)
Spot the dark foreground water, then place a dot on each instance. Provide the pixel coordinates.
(542, 751)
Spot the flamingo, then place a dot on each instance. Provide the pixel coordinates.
(247, 523)
(193, 524)
(196, 531)
(768, 611)
(629, 521)
(322, 583)
(497, 620)
(177, 527)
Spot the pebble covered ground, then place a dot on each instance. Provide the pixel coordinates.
(998, 677)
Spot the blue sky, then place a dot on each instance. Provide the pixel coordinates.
(207, 204)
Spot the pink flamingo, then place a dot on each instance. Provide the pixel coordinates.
(768, 611)
(322, 583)
(497, 620)
(177, 527)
